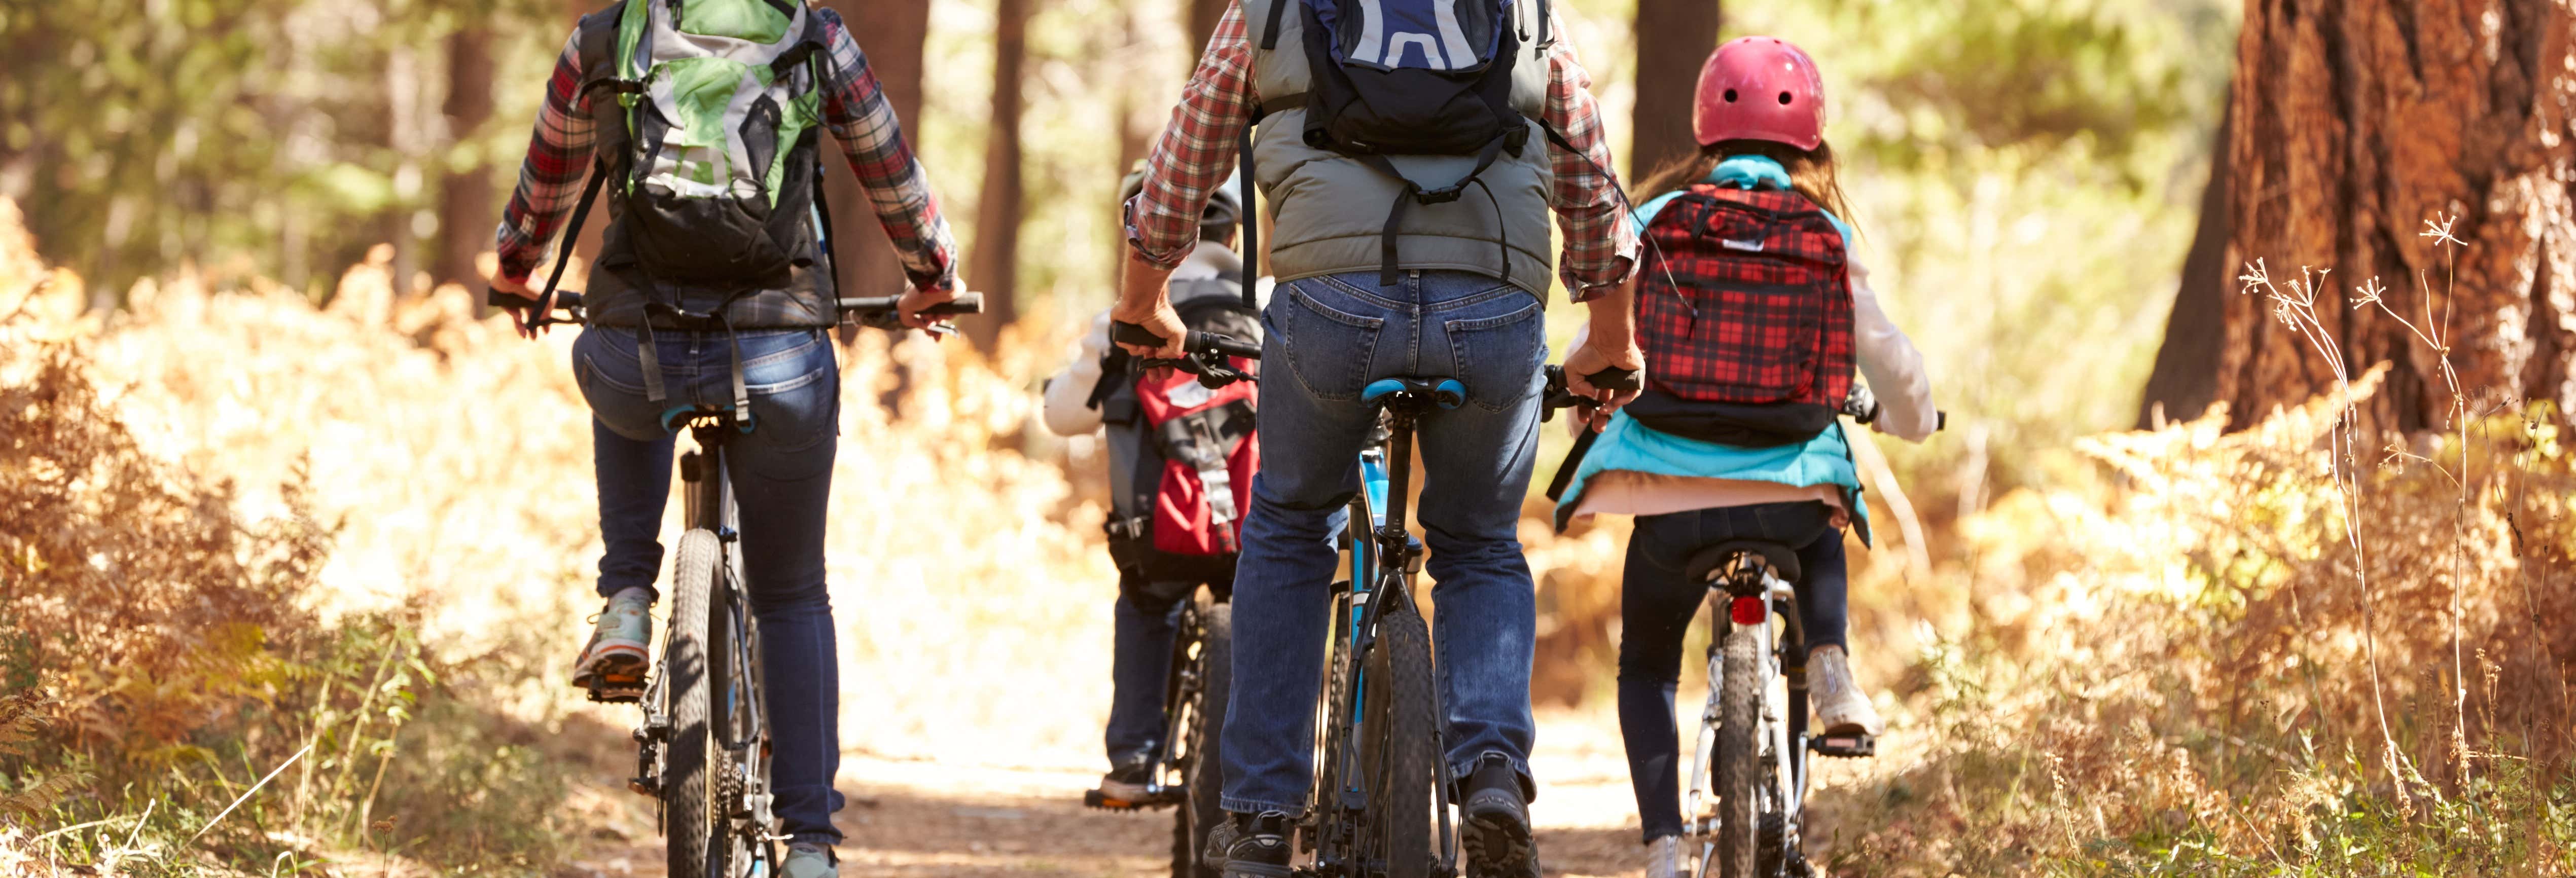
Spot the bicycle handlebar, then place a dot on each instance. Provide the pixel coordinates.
(1559, 395)
(1202, 343)
(879, 311)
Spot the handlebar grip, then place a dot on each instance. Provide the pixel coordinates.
(965, 303)
(1225, 344)
(1615, 379)
(1124, 332)
(494, 297)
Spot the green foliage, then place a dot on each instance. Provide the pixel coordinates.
(295, 132)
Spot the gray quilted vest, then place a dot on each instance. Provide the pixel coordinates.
(1329, 210)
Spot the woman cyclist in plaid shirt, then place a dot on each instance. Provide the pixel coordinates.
(783, 467)
(1468, 303)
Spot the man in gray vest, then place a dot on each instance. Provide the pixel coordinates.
(1448, 286)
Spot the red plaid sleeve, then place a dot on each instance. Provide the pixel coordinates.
(1197, 150)
(550, 178)
(1600, 247)
(855, 107)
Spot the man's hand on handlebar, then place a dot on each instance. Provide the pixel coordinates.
(518, 312)
(1159, 318)
(1601, 359)
(915, 300)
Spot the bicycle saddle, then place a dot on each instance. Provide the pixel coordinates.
(692, 415)
(1416, 393)
(1709, 564)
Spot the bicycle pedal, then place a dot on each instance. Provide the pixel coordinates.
(1844, 746)
(1098, 800)
(615, 690)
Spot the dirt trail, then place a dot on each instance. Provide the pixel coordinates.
(915, 818)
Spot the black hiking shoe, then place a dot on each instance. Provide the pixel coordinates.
(1251, 846)
(1497, 832)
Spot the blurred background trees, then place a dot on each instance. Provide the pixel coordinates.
(2025, 173)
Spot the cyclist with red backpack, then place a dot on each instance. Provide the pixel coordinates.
(1181, 463)
(1415, 150)
(701, 122)
(1753, 313)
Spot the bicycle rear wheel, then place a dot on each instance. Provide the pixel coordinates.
(1400, 744)
(1739, 749)
(693, 822)
(1204, 775)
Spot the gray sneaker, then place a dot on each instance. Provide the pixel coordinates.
(1841, 708)
(613, 663)
(809, 861)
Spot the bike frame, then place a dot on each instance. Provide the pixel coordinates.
(742, 774)
(1783, 722)
(1384, 560)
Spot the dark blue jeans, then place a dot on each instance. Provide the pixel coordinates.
(1139, 666)
(782, 480)
(1326, 338)
(1656, 604)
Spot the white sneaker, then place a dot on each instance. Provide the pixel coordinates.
(1841, 708)
(1664, 857)
(618, 651)
(809, 861)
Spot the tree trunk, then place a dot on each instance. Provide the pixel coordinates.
(892, 34)
(2185, 378)
(997, 210)
(1674, 38)
(1204, 14)
(465, 196)
(2356, 122)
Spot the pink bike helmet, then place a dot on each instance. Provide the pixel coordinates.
(1760, 88)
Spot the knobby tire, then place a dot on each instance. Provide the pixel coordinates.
(1400, 755)
(1204, 777)
(693, 823)
(1739, 749)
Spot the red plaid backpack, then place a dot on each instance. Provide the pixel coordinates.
(1746, 320)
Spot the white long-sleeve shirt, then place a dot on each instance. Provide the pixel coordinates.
(1066, 407)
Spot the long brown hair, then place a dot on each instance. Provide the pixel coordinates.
(1811, 172)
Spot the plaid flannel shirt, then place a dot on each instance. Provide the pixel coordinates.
(854, 108)
(1199, 149)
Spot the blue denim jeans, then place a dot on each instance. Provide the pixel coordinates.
(1657, 602)
(1140, 664)
(1326, 338)
(782, 480)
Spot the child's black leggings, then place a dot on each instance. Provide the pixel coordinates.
(1655, 611)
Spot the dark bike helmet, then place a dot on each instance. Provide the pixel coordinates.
(1224, 207)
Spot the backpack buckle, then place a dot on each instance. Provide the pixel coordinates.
(1440, 196)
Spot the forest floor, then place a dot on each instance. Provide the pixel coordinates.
(908, 818)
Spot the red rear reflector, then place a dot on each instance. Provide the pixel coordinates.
(1748, 611)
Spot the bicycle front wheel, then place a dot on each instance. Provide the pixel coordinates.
(1400, 744)
(1204, 776)
(1739, 749)
(693, 822)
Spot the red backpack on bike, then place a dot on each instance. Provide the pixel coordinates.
(1181, 454)
(1746, 319)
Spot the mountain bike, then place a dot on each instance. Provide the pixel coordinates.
(1749, 766)
(1384, 809)
(702, 746)
(1186, 769)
